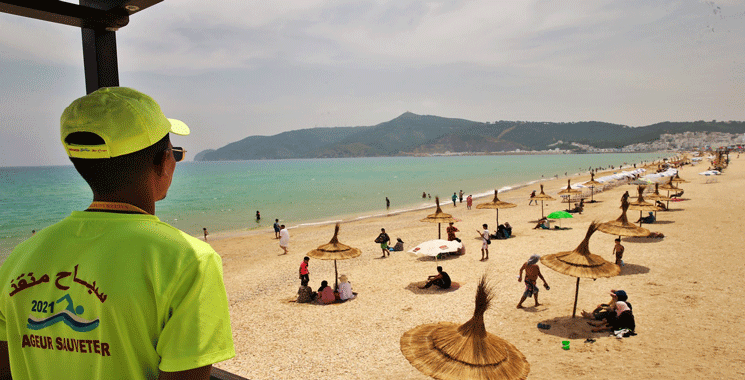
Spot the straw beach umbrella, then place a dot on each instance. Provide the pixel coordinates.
(642, 205)
(622, 226)
(677, 179)
(569, 192)
(335, 251)
(581, 263)
(543, 197)
(496, 204)
(449, 351)
(592, 183)
(438, 217)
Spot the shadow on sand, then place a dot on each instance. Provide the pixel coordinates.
(642, 239)
(442, 258)
(631, 269)
(414, 288)
(571, 328)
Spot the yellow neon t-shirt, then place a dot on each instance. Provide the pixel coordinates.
(104, 295)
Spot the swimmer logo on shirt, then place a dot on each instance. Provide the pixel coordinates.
(68, 316)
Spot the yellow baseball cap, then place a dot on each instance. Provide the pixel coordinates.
(126, 119)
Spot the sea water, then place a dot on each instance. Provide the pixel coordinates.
(224, 196)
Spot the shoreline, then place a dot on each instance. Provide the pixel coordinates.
(348, 218)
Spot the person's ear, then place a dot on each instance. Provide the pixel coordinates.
(160, 162)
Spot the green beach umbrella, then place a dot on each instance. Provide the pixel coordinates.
(559, 215)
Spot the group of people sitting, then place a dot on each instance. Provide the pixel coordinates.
(544, 224)
(579, 208)
(325, 295)
(616, 316)
(503, 231)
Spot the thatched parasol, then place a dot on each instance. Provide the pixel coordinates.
(569, 192)
(543, 197)
(592, 183)
(656, 196)
(448, 351)
(438, 217)
(335, 251)
(677, 179)
(642, 205)
(621, 226)
(581, 263)
(496, 204)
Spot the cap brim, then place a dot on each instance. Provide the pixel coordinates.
(179, 127)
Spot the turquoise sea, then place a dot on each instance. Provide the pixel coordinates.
(224, 196)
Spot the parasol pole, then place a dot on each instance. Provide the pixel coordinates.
(576, 294)
(336, 277)
(439, 231)
(497, 217)
(541, 208)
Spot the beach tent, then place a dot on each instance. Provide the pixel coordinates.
(621, 226)
(438, 217)
(642, 205)
(334, 250)
(543, 197)
(496, 204)
(449, 351)
(581, 263)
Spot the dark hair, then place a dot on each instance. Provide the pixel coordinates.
(485, 225)
(306, 258)
(618, 239)
(304, 282)
(107, 175)
(439, 269)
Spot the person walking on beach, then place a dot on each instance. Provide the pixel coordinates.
(469, 202)
(284, 238)
(258, 215)
(485, 241)
(146, 299)
(304, 272)
(618, 252)
(532, 196)
(276, 228)
(532, 272)
(383, 240)
(454, 198)
(460, 196)
(387, 203)
(451, 230)
(204, 229)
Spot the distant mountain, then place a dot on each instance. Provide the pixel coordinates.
(421, 134)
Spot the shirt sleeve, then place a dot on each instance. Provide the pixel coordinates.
(198, 332)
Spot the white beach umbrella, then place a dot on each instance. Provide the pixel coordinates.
(436, 247)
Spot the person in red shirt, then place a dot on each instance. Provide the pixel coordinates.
(304, 270)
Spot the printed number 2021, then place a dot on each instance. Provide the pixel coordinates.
(42, 306)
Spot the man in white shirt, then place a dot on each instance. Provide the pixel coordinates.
(284, 238)
(484, 242)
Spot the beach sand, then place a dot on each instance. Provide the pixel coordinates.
(684, 290)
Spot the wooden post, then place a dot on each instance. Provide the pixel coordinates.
(576, 294)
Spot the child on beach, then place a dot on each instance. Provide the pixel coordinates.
(485, 241)
(469, 202)
(276, 228)
(205, 233)
(383, 240)
(618, 252)
(532, 272)
(304, 272)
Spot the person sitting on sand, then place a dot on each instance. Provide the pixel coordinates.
(305, 294)
(441, 279)
(647, 219)
(399, 245)
(543, 223)
(623, 318)
(579, 208)
(602, 310)
(451, 230)
(345, 288)
(325, 293)
(532, 272)
(660, 205)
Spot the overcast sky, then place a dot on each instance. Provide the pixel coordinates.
(241, 68)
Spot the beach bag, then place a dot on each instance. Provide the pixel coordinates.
(488, 241)
(379, 239)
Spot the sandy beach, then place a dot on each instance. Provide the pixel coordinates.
(683, 288)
